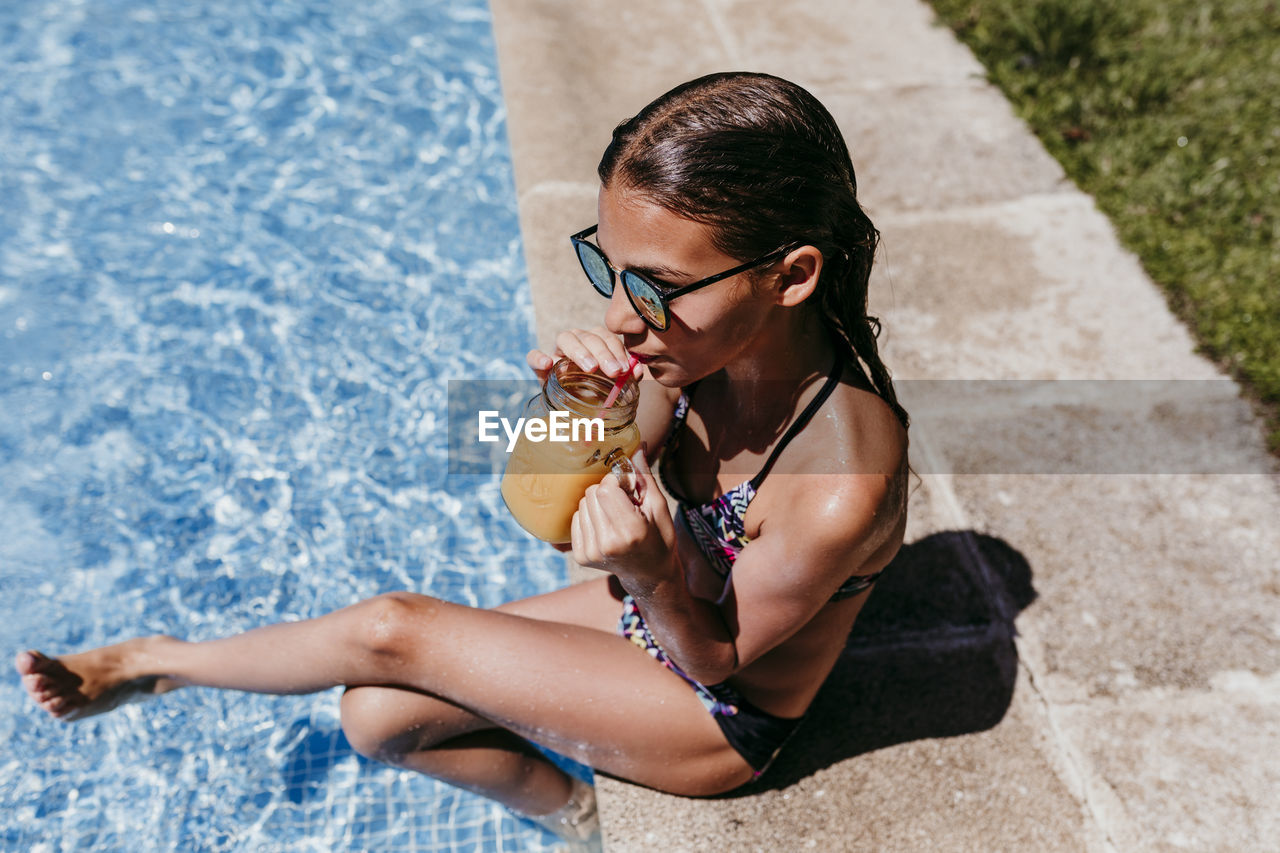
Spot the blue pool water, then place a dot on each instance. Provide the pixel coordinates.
(243, 247)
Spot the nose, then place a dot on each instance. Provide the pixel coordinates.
(621, 318)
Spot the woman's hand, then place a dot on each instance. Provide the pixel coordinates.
(592, 350)
(634, 540)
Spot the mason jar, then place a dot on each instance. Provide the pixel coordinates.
(569, 442)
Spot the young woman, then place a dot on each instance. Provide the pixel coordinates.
(735, 258)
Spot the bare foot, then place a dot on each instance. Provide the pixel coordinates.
(94, 682)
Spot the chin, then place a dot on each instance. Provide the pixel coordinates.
(662, 374)
(671, 376)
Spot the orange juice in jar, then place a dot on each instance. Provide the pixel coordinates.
(568, 443)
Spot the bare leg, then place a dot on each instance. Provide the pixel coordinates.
(446, 741)
(395, 725)
(78, 686)
(421, 732)
(449, 743)
(584, 692)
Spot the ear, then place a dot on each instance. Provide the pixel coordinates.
(799, 278)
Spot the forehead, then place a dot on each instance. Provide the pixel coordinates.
(636, 232)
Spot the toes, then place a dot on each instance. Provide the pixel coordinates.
(37, 686)
(38, 682)
(41, 684)
(26, 662)
(60, 706)
(32, 662)
(47, 682)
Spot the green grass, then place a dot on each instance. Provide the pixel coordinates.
(1167, 112)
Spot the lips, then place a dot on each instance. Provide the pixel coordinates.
(643, 359)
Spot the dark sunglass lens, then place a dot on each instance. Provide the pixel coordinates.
(594, 265)
(646, 299)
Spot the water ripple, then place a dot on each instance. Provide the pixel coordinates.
(243, 246)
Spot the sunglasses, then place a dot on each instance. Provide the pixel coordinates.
(650, 299)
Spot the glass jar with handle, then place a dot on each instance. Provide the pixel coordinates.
(569, 441)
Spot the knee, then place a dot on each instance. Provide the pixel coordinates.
(717, 775)
(366, 716)
(394, 623)
(721, 784)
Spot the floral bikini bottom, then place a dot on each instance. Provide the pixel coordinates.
(757, 735)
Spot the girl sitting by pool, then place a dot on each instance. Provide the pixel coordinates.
(735, 258)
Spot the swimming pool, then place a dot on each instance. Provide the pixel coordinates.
(243, 246)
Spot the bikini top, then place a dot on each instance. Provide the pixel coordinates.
(719, 525)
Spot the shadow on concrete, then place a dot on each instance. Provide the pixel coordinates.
(931, 655)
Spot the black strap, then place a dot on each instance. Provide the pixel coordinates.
(799, 423)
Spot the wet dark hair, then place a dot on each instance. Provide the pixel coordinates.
(763, 163)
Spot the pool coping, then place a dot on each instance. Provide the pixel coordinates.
(1112, 734)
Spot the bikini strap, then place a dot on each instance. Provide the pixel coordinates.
(679, 416)
(799, 423)
(670, 440)
(686, 394)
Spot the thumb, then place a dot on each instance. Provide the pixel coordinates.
(650, 501)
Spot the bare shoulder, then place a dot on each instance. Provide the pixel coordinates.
(833, 506)
(855, 432)
(845, 473)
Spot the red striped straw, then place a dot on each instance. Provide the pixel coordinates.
(619, 382)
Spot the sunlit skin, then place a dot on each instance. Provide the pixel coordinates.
(752, 345)
(450, 690)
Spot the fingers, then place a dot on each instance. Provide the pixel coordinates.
(610, 519)
(611, 502)
(652, 502)
(540, 362)
(646, 488)
(595, 349)
(640, 461)
(582, 540)
(600, 519)
(592, 350)
(639, 482)
(615, 502)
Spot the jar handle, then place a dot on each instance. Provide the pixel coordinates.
(622, 468)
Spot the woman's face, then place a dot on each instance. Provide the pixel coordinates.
(708, 327)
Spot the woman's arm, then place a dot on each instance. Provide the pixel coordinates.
(835, 508)
(639, 545)
(821, 529)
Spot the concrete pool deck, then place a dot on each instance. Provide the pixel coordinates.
(1138, 706)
